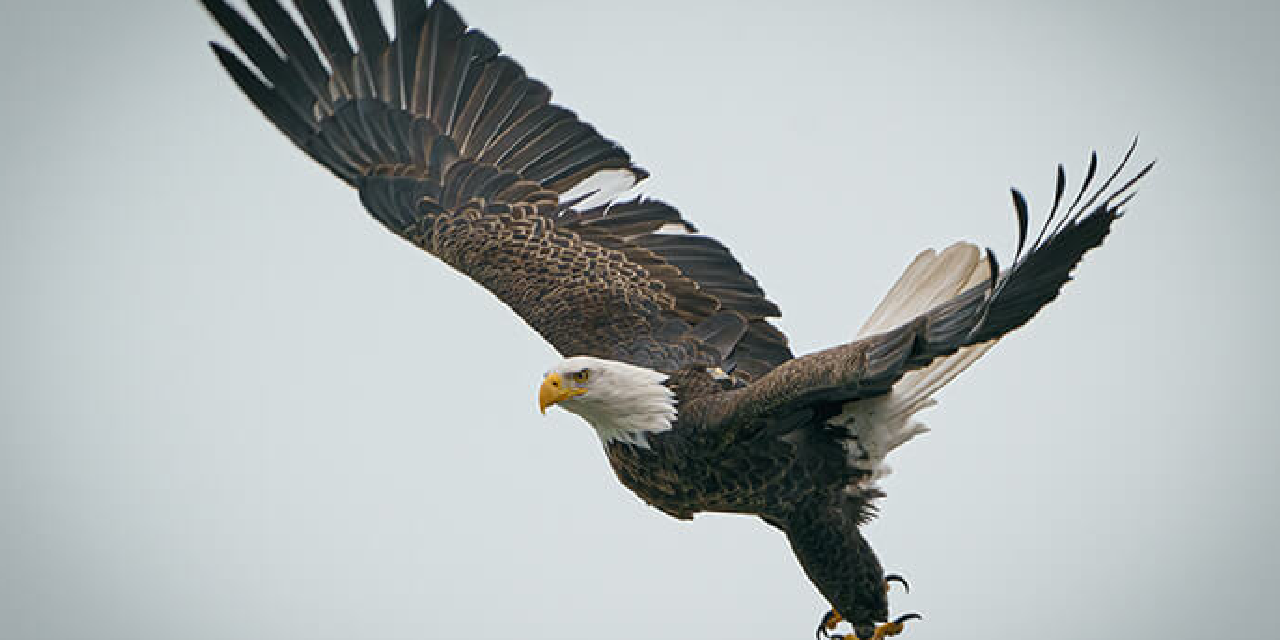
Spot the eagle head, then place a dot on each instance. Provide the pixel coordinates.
(621, 401)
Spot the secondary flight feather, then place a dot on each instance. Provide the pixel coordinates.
(669, 352)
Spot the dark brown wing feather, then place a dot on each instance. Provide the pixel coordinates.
(454, 148)
(870, 366)
(701, 259)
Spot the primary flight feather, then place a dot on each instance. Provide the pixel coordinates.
(670, 354)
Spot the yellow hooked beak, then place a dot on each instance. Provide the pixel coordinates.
(554, 390)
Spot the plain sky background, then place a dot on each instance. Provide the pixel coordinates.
(232, 406)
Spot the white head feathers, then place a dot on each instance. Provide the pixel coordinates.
(621, 401)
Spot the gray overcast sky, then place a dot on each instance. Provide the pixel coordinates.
(232, 406)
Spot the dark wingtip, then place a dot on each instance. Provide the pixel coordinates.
(1020, 207)
(994, 263)
(225, 56)
(1117, 200)
(1084, 186)
(1124, 162)
(1118, 207)
(1059, 187)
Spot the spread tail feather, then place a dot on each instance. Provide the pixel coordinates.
(881, 424)
(931, 279)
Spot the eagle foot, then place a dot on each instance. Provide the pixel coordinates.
(829, 621)
(882, 631)
(832, 619)
(867, 632)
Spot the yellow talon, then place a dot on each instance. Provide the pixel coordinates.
(887, 629)
(879, 632)
(893, 628)
(829, 622)
(833, 620)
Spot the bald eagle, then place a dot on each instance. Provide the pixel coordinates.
(670, 354)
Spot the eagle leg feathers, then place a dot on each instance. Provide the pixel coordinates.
(838, 561)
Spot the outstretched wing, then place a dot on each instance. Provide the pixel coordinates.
(871, 366)
(455, 149)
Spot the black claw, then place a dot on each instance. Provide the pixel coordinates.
(893, 577)
(908, 616)
(822, 626)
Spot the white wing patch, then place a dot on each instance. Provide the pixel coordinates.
(881, 424)
(601, 187)
(673, 229)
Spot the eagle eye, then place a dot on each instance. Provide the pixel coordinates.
(580, 376)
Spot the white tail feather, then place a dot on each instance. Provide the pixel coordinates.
(931, 279)
(881, 424)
